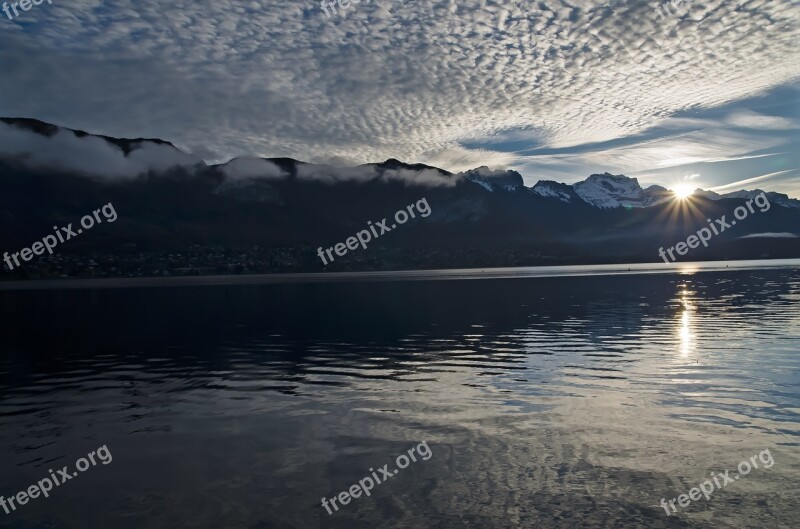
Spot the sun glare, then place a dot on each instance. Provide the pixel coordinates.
(682, 191)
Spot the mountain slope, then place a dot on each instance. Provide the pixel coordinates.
(271, 215)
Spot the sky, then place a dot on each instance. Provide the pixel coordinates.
(707, 94)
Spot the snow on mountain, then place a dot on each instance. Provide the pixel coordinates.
(494, 180)
(774, 198)
(608, 191)
(614, 191)
(656, 194)
(551, 188)
(43, 145)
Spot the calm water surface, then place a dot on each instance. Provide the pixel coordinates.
(575, 401)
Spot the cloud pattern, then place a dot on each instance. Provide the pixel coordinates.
(413, 81)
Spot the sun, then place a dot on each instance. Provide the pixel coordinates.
(682, 191)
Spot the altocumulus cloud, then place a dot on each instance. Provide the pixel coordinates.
(410, 81)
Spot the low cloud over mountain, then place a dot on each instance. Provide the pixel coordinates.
(180, 215)
(39, 145)
(45, 146)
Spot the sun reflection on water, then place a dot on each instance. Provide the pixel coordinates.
(686, 327)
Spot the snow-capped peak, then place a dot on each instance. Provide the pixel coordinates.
(613, 191)
(550, 188)
(495, 180)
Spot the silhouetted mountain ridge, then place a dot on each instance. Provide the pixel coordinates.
(276, 211)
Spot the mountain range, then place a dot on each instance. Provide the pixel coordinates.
(178, 214)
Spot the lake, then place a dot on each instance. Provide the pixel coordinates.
(572, 397)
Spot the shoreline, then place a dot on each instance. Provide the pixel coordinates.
(401, 275)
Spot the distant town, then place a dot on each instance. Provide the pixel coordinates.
(198, 260)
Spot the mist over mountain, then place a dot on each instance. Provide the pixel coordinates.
(178, 214)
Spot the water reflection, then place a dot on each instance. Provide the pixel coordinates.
(685, 332)
(573, 402)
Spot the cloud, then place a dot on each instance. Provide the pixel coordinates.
(770, 235)
(201, 151)
(365, 173)
(88, 155)
(98, 158)
(411, 81)
(753, 120)
(331, 174)
(425, 177)
(747, 181)
(458, 158)
(710, 145)
(246, 168)
(712, 156)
